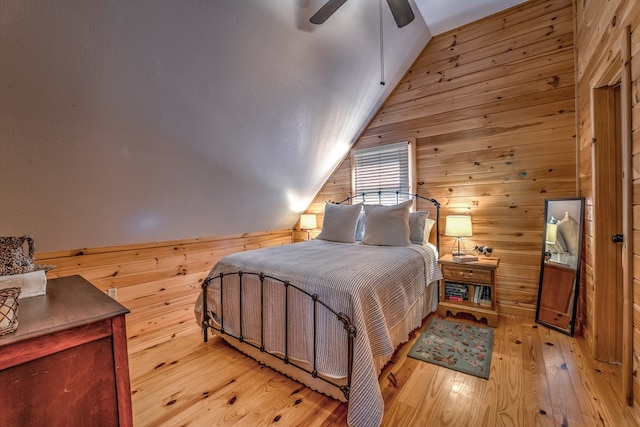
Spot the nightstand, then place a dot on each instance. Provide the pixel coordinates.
(469, 287)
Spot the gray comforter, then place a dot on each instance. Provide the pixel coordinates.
(374, 285)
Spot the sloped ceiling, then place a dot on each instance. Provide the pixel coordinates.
(444, 15)
(128, 122)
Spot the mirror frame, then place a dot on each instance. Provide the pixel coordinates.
(576, 283)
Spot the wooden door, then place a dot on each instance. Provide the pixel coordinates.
(607, 173)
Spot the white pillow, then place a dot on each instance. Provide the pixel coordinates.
(339, 223)
(420, 227)
(428, 225)
(387, 225)
(569, 229)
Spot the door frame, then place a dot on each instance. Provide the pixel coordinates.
(613, 343)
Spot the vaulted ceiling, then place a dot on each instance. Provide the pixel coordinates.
(127, 122)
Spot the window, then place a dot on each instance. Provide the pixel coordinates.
(386, 168)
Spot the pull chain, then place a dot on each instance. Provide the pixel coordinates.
(381, 46)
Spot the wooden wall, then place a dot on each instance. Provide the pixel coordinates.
(600, 28)
(491, 107)
(158, 282)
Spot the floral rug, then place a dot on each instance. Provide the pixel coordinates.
(459, 346)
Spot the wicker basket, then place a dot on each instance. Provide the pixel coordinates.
(9, 310)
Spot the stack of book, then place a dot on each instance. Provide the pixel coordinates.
(482, 296)
(456, 292)
(465, 258)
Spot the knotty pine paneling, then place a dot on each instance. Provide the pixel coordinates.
(599, 29)
(491, 106)
(158, 282)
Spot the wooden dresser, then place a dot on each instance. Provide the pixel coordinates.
(558, 281)
(67, 364)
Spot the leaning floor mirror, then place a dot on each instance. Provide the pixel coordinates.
(560, 265)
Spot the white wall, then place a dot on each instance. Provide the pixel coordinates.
(127, 122)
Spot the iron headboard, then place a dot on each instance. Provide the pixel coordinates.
(378, 195)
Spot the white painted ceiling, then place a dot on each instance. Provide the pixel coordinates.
(128, 122)
(444, 15)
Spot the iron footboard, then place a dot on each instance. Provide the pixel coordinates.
(208, 316)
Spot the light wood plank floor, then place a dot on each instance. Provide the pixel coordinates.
(538, 378)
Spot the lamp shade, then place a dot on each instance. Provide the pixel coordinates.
(458, 226)
(308, 221)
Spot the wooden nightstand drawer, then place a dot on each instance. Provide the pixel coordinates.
(465, 273)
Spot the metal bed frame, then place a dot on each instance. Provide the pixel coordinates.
(350, 329)
(341, 317)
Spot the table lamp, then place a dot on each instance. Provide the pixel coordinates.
(458, 226)
(307, 222)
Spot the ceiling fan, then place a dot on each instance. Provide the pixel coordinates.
(400, 9)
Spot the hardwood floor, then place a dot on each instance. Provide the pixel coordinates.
(538, 378)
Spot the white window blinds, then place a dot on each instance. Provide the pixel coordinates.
(384, 168)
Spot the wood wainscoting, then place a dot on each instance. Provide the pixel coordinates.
(158, 282)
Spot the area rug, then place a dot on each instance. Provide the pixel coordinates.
(459, 346)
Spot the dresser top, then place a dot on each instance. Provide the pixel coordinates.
(69, 302)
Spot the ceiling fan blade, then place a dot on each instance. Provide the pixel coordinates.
(401, 11)
(326, 11)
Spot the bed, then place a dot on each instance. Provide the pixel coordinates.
(331, 311)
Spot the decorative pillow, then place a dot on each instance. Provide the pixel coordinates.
(428, 225)
(339, 224)
(569, 229)
(387, 225)
(420, 227)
